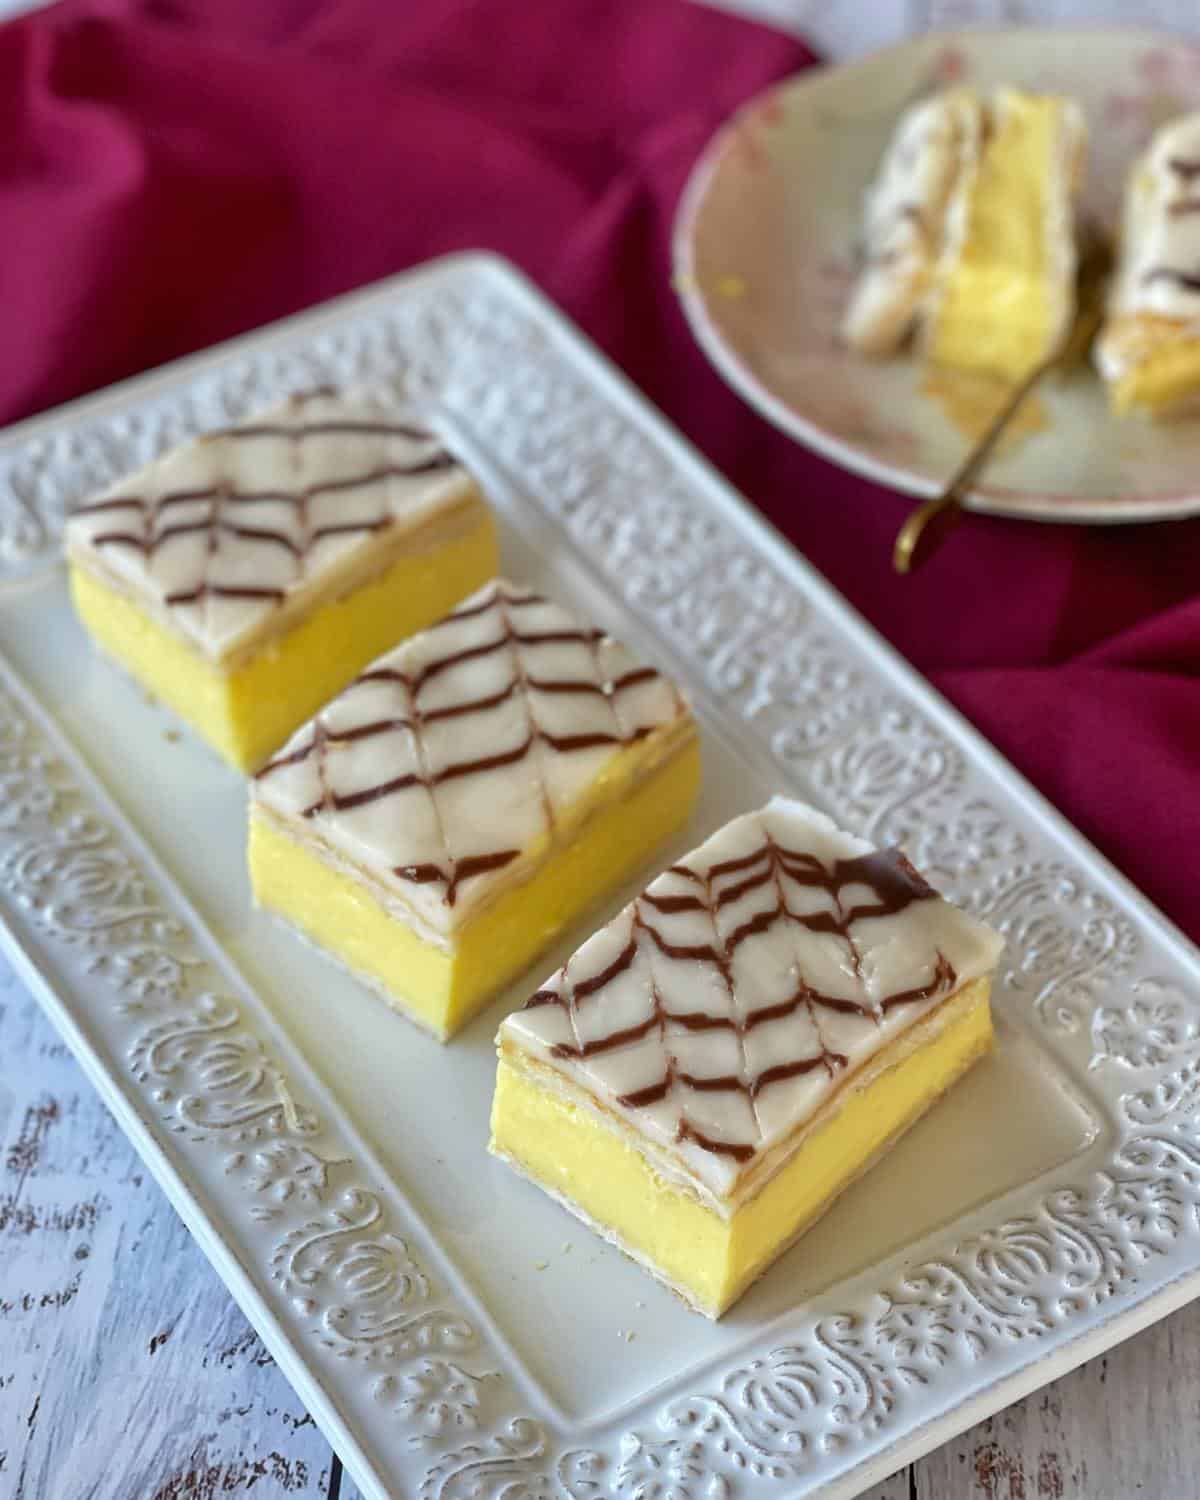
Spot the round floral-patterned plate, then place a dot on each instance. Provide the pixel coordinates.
(765, 259)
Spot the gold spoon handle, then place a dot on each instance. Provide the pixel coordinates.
(927, 527)
(919, 537)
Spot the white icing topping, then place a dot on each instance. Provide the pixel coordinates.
(467, 749)
(218, 534)
(1159, 270)
(771, 965)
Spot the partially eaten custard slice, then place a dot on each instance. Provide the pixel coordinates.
(904, 218)
(970, 233)
(246, 576)
(1149, 349)
(438, 824)
(713, 1068)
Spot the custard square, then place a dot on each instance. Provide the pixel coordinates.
(247, 576)
(1149, 348)
(438, 825)
(709, 1071)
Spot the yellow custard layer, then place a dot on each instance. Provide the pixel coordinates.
(710, 1260)
(1163, 380)
(619, 826)
(999, 308)
(248, 711)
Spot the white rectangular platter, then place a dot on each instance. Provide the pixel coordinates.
(453, 1331)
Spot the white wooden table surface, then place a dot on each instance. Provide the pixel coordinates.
(127, 1373)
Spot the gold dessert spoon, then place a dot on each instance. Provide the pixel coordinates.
(927, 526)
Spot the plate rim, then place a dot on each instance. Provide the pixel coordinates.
(902, 1446)
(987, 499)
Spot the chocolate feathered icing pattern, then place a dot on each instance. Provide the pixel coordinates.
(456, 753)
(720, 1009)
(223, 530)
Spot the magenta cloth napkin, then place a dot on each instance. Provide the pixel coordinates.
(172, 173)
